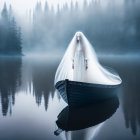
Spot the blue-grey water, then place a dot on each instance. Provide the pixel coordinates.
(29, 105)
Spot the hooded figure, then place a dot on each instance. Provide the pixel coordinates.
(81, 64)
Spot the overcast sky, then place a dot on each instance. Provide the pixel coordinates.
(21, 6)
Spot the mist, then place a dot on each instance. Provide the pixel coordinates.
(112, 28)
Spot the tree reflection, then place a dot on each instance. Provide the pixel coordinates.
(10, 75)
(39, 73)
(131, 96)
(129, 69)
(43, 81)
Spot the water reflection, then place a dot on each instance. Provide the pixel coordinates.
(10, 79)
(35, 76)
(131, 96)
(86, 120)
(38, 77)
(129, 70)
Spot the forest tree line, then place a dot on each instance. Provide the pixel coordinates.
(115, 28)
(10, 33)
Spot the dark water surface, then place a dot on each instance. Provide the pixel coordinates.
(29, 105)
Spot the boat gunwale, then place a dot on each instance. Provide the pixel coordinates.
(62, 82)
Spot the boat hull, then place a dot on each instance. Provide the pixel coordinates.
(79, 93)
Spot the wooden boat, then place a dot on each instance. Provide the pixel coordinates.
(80, 93)
(87, 116)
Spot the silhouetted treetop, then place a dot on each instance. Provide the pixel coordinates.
(10, 35)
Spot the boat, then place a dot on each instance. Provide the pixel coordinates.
(87, 116)
(81, 79)
(77, 94)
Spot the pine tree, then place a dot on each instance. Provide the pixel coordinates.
(10, 35)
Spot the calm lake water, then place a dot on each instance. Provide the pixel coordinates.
(29, 105)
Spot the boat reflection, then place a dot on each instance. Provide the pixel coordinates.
(80, 122)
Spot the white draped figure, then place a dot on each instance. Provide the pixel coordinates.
(80, 63)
